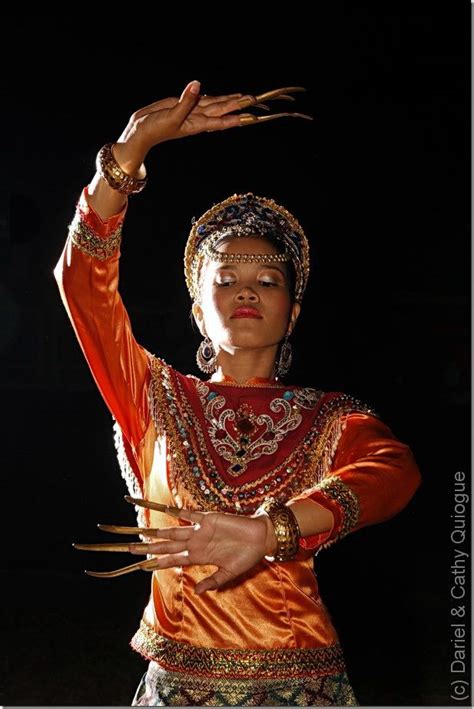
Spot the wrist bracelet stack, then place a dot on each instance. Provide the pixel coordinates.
(286, 527)
(109, 169)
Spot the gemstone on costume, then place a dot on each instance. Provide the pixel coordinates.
(245, 425)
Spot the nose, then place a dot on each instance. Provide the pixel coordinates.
(246, 293)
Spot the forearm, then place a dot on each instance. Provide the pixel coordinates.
(312, 517)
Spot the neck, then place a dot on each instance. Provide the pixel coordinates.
(245, 364)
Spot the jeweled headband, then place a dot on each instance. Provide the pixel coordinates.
(246, 215)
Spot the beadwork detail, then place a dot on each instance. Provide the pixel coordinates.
(334, 488)
(191, 465)
(240, 436)
(86, 240)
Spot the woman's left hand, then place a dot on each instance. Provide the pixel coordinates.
(234, 543)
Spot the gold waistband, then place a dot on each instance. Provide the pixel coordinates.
(253, 663)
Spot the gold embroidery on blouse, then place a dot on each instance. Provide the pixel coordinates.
(334, 488)
(85, 239)
(241, 436)
(191, 465)
(253, 663)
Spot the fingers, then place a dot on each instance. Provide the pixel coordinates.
(171, 102)
(188, 99)
(170, 547)
(156, 106)
(183, 105)
(169, 560)
(218, 579)
(206, 101)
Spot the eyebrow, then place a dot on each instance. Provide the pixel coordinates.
(226, 267)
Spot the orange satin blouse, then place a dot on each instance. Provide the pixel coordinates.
(221, 446)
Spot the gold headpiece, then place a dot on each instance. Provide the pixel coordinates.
(246, 215)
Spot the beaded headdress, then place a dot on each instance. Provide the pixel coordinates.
(246, 215)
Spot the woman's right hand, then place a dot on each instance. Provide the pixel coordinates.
(172, 118)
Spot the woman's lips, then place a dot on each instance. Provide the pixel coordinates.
(246, 313)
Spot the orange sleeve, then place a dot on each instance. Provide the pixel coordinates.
(87, 275)
(372, 477)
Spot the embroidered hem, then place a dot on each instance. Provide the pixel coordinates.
(214, 662)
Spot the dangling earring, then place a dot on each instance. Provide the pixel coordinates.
(206, 356)
(285, 359)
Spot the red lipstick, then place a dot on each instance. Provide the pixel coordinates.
(246, 312)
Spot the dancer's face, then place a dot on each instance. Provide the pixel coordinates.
(264, 288)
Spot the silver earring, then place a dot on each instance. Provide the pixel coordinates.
(285, 358)
(206, 356)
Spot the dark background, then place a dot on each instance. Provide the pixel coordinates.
(380, 182)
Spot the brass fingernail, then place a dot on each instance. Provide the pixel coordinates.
(247, 118)
(247, 101)
(153, 505)
(102, 547)
(115, 529)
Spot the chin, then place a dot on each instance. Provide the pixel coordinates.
(244, 341)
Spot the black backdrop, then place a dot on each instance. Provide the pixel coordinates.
(379, 181)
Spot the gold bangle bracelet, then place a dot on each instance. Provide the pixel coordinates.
(287, 530)
(109, 169)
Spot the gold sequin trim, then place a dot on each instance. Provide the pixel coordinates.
(210, 661)
(334, 488)
(86, 240)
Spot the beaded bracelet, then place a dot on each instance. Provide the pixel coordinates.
(109, 169)
(287, 530)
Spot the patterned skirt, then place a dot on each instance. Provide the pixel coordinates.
(160, 687)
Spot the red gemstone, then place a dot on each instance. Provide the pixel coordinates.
(245, 425)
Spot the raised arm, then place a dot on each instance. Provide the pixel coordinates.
(88, 269)
(87, 275)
